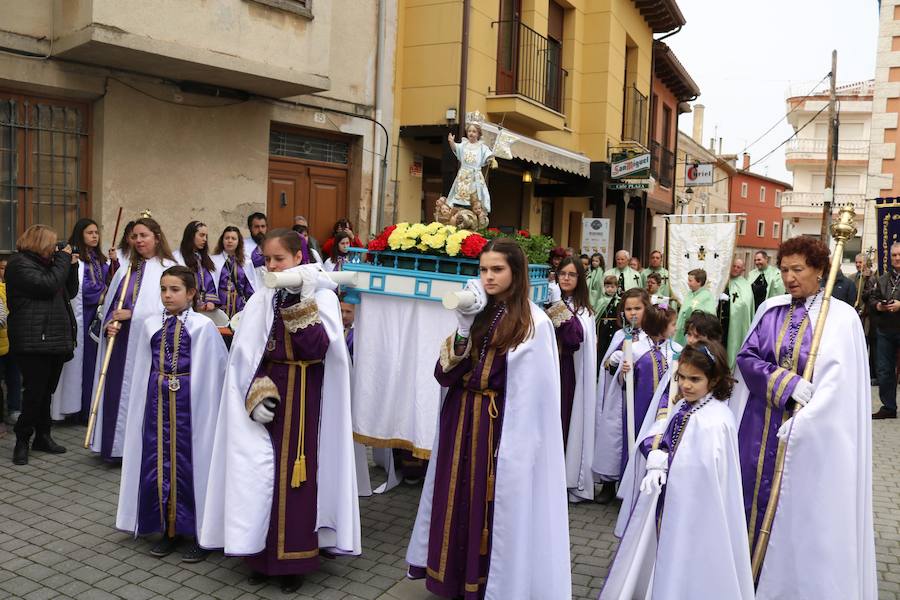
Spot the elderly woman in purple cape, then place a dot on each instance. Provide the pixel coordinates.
(282, 489)
(493, 520)
(805, 447)
(570, 313)
(174, 405)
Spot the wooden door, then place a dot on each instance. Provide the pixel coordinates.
(508, 46)
(299, 188)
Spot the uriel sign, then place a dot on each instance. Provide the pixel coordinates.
(698, 174)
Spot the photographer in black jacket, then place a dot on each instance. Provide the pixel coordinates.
(40, 281)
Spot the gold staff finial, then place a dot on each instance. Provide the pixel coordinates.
(146, 214)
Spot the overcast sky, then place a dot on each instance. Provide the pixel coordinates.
(745, 55)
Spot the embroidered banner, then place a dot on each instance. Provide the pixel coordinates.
(887, 213)
(699, 245)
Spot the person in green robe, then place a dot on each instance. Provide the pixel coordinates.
(628, 278)
(736, 310)
(700, 299)
(655, 266)
(595, 278)
(765, 280)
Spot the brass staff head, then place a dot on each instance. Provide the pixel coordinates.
(845, 227)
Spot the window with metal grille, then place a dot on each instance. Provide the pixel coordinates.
(44, 165)
(298, 145)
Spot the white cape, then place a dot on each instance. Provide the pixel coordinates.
(580, 445)
(701, 550)
(148, 306)
(241, 479)
(634, 469)
(608, 439)
(822, 544)
(66, 400)
(530, 533)
(208, 358)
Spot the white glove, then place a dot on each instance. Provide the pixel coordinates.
(474, 286)
(616, 358)
(464, 323)
(555, 294)
(264, 412)
(785, 429)
(803, 392)
(724, 296)
(310, 276)
(657, 467)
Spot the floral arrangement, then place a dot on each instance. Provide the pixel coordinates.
(437, 238)
(433, 238)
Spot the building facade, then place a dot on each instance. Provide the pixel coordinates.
(702, 199)
(571, 80)
(805, 157)
(759, 198)
(884, 164)
(194, 110)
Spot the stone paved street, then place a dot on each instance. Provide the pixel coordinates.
(57, 538)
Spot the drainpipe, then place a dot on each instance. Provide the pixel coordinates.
(464, 68)
(378, 207)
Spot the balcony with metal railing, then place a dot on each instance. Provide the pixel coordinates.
(662, 165)
(634, 124)
(531, 81)
(817, 149)
(812, 202)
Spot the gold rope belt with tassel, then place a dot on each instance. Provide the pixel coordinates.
(298, 474)
(493, 413)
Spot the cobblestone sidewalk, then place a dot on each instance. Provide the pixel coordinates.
(57, 538)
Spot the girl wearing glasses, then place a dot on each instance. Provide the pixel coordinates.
(690, 502)
(571, 316)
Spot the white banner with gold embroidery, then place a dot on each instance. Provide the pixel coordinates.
(695, 243)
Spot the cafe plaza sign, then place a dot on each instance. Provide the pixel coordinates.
(630, 171)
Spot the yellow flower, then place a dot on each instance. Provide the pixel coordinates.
(454, 241)
(433, 227)
(397, 236)
(435, 241)
(422, 246)
(415, 230)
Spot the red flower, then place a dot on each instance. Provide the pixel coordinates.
(380, 243)
(472, 245)
(524, 233)
(493, 230)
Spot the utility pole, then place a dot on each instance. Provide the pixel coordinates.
(831, 152)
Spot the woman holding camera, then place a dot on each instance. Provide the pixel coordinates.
(40, 282)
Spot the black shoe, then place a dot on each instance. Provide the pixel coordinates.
(884, 413)
(291, 583)
(166, 546)
(20, 452)
(257, 578)
(44, 443)
(607, 493)
(194, 554)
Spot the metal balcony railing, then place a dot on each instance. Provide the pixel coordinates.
(662, 164)
(530, 65)
(846, 148)
(635, 118)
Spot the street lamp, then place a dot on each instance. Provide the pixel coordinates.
(685, 200)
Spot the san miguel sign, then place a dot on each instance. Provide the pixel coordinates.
(633, 166)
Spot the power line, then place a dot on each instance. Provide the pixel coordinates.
(796, 106)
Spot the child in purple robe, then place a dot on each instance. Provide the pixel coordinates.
(283, 480)
(234, 285)
(174, 407)
(495, 488)
(194, 254)
(691, 501)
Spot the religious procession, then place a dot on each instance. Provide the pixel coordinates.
(338, 328)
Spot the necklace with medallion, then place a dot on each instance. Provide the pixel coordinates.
(172, 379)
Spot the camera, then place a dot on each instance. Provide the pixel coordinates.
(60, 246)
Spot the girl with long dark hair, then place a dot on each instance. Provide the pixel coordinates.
(495, 489)
(73, 395)
(339, 252)
(237, 278)
(150, 257)
(193, 253)
(575, 337)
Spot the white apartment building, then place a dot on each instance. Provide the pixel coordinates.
(805, 157)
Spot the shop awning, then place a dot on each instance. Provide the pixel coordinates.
(537, 152)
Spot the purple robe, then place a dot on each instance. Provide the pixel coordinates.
(462, 510)
(112, 389)
(207, 288)
(769, 405)
(292, 543)
(648, 370)
(569, 337)
(257, 257)
(97, 277)
(348, 336)
(166, 494)
(234, 287)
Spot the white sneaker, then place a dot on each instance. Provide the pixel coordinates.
(12, 417)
